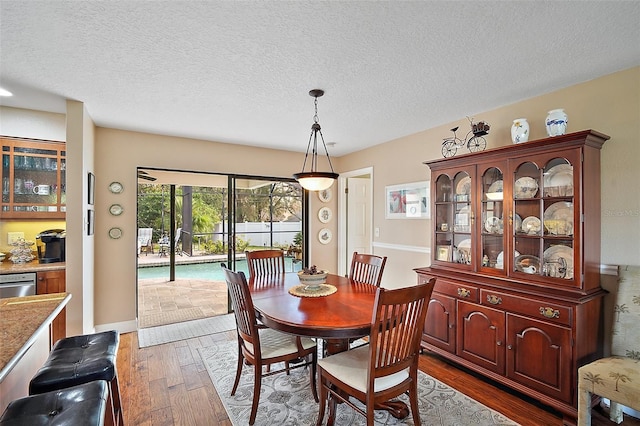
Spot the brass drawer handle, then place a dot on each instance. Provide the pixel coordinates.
(494, 300)
(549, 312)
(463, 292)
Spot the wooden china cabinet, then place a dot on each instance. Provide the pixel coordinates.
(516, 252)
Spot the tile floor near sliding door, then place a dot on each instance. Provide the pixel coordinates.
(162, 302)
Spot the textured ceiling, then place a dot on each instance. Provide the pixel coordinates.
(240, 71)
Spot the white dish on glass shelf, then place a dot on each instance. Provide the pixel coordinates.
(500, 259)
(525, 187)
(531, 225)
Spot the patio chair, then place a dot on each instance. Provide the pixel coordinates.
(145, 238)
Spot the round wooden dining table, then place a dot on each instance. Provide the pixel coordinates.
(336, 318)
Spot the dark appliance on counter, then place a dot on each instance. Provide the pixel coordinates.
(51, 246)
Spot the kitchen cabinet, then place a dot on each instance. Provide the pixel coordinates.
(33, 179)
(516, 252)
(48, 282)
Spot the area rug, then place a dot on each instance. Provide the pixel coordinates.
(185, 330)
(170, 317)
(287, 400)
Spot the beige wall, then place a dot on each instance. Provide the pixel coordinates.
(610, 104)
(118, 154)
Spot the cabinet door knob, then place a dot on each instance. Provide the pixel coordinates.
(509, 347)
(499, 343)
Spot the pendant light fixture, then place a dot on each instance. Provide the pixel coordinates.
(314, 180)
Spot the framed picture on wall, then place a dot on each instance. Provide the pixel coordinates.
(407, 201)
(92, 189)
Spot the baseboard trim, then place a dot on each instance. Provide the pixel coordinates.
(121, 327)
(402, 247)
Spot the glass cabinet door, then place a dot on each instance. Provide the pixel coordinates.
(453, 219)
(33, 179)
(543, 201)
(492, 226)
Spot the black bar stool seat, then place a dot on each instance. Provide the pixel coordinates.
(82, 405)
(81, 359)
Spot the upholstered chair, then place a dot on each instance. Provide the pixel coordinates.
(617, 377)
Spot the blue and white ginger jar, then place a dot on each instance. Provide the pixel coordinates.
(556, 122)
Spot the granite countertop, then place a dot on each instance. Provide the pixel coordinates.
(23, 319)
(8, 267)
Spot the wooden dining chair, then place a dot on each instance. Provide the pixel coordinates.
(388, 366)
(367, 268)
(261, 346)
(265, 262)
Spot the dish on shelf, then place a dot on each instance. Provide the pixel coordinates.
(462, 223)
(463, 252)
(464, 186)
(525, 187)
(558, 181)
(560, 175)
(562, 212)
(518, 223)
(528, 264)
(531, 225)
(558, 261)
(500, 259)
(494, 225)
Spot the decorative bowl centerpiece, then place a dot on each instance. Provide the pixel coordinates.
(312, 278)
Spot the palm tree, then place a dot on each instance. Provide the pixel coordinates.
(619, 377)
(595, 379)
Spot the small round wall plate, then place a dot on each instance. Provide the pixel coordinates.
(116, 209)
(325, 214)
(115, 233)
(324, 236)
(325, 195)
(116, 187)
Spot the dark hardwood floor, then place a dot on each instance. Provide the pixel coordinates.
(169, 385)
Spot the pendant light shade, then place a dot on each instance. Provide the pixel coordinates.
(314, 180)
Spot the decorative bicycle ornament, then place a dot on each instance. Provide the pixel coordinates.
(474, 140)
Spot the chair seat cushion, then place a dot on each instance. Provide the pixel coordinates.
(76, 360)
(351, 368)
(81, 405)
(275, 344)
(616, 378)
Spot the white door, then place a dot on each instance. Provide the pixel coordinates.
(358, 217)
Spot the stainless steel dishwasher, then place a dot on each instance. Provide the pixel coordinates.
(17, 285)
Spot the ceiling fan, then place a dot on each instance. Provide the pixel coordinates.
(144, 175)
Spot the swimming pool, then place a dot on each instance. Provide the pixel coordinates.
(201, 271)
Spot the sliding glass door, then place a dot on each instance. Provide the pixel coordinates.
(198, 221)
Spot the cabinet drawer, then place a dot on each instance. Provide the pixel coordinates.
(530, 307)
(457, 290)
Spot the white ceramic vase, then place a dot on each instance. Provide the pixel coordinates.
(520, 130)
(556, 122)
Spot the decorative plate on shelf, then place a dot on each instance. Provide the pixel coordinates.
(325, 236)
(464, 186)
(325, 214)
(500, 259)
(463, 252)
(494, 193)
(561, 211)
(325, 195)
(525, 187)
(560, 256)
(560, 175)
(116, 187)
(531, 225)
